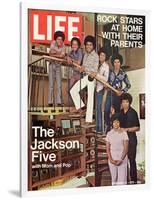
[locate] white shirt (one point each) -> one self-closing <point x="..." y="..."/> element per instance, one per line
<point x="116" y="140"/>
<point x="103" y="71"/>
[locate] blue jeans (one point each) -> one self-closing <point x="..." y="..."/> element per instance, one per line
<point x="114" y="100"/>
<point x="99" y="119"/>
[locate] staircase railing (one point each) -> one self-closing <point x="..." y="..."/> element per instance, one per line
<point x="37" y="75"/>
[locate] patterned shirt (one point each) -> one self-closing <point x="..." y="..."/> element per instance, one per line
<point x="116" y="80"/>
<point x="91" y="61"/>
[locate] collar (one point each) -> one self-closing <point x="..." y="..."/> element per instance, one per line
<point x="104" y="64"/>
<point x="115" y="131"/>
<point x="55" y="44"/>
<point x="75" y="51"/>
<point x="129" y="109"/>
<point x="120" y="72"/>
<point x="91" y="53"/>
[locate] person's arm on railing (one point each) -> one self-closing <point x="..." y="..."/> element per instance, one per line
<point x="55" y="53"/>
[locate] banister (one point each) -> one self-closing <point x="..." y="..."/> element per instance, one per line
<point x="97" y="77"/>
<point x="35" y="61"/>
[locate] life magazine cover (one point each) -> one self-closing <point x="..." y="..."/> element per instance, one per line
<point x="85" y="99"/>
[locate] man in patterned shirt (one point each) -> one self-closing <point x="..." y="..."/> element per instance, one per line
<point x="116" y="79"/>
<point x="90" y="64"/>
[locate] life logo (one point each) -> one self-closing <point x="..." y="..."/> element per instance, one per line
<point x="43" y="24"/>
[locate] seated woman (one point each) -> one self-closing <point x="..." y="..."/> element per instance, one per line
<point x="117" y="148"/>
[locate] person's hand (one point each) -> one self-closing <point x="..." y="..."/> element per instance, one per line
<point x="52" y="52"/>
<point x="93" y="74"/>
<point x="114" y="162"/>
<point x="82" y="70"/>
<point x="118" y="162"/>
<point x="119" y="93"/>
<point x="69" y="61"/>
<point x="58" y="52"/>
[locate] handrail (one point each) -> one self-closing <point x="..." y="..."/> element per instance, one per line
<point x="97" y="77"/>
<point x="35" y="61"/>
<point x="48" y="58"/>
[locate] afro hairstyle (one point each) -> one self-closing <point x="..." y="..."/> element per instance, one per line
<point x="105" y="51"/>
<point x="77" y="40"/>
<point x="59" y="34"/>
<point x="90" y="38"/>
<point x="117" y="57"/>
<point x="126" y="96"/>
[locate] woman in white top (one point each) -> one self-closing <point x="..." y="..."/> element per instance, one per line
<point x="103" y="71"/>
<point x="117" y="148"/>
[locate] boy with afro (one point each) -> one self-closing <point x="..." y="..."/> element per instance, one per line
<point x="90" y="65"/>
<point x="57" y="49"/>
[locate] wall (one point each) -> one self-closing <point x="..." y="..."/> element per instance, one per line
<point x="137" y="78"/>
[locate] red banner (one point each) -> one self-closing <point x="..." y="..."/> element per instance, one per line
<point x="43" y="24"/>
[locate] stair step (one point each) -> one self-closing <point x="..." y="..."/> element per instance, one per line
<point x="102" y="162"/>
<point x="88" y="126"/>
<point x="101" y="147"/>
<point x="102" y="140"/>
<point x="103" y="135"/>
<point x="102" y="158"/>
<point x="91" y="180"/>
<point x="102" y="155"/>
<point x="83" y="186"/>
<point x="103" y="169"/>
<point x="106" y="183"/>
<point x="40" y="110"/>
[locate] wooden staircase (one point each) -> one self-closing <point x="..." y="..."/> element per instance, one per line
<point x="101" y="161"/>
<point x="102" y="175"/>
<point x="38" y="90"/>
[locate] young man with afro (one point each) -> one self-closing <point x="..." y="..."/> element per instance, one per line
<point x="103" y="70"/>
<point x="90" y="64"/>
<point x="57" y="49"/>
<point x="117" y="78"/>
